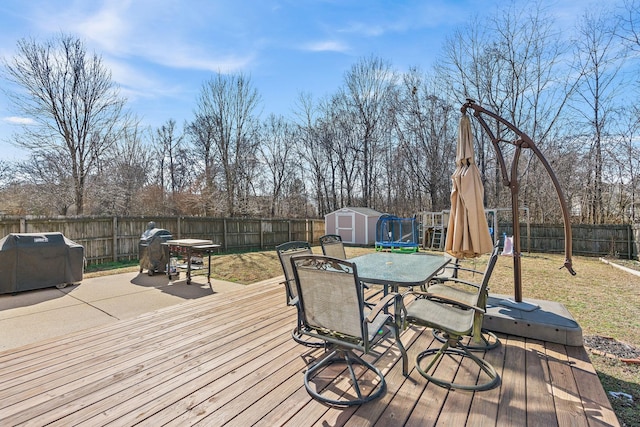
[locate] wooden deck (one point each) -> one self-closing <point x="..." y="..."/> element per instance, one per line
<point x="229" y="359"/>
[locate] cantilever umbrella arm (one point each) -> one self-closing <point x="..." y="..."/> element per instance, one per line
<point x="523" y="141"/>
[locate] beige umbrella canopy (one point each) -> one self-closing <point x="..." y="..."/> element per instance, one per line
<point x="468" y="232"/>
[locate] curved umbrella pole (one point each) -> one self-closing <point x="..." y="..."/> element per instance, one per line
<point x="523" y="141"/>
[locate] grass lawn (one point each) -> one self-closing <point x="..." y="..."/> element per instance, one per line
<point x="604" y="300"/>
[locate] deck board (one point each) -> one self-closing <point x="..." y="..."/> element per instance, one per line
<point x="229" y="359"/>
<point x="568" y="403"/>
<point x="539" y="401"/>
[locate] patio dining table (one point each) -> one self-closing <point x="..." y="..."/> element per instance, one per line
<point x="394" y="270"/>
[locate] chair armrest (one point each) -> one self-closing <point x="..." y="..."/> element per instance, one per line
<point x="381" y="305"/>
<point x="461" y="281"/>
<point x="470" y="270"/>
<point x="291" y="300"/>
<point x="440" y="298"/>
<point x="286" y="282"/>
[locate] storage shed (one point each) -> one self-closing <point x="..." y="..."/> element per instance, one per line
<point x="356" y="226"/>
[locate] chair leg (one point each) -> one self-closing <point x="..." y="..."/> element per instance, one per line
<point x="487" y="340"/>
<point x="456" y="349"/>
<point x="349" y="358"/>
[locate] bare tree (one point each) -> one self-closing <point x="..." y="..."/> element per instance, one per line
<point x="296" y="200"/>
<point x="46" y="175"/>
<point x="598" y="59"/>
<point x="202" y="134"/>
<point x="629" y="24"/>
<point x="425" y="128"/>
<point x="122" y="176"/>
<point x="5" y="173"/>
<point x="511" y="63"/>
<point x="227" y="106"/>
<point x="369" y="93"/>
<point x="277" y="154"/>
<point x="342" y="141"/>
<point x="311" y="149"/>
<point x="73" y="105"/>
<point x="175" y="170"/>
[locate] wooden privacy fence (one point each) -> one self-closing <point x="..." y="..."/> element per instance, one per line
<point x="617" y="240"/>
<point x="108" y="239"/>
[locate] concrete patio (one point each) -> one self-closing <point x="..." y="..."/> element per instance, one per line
<point x="32" y="316"/>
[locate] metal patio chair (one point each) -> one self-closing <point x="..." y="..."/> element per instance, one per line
<point x="450" y="271"/>
<point x="285" y="251"/>
<point x="459" y="289"/>
<point x="332" y="246"/>
<point x="455" y="319"/>
<point x="333" y="310"/>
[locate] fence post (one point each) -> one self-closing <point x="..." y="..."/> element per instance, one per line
<point x="311" y="231"/>
<point x="115" y="238"/>
<point x="629" y="248"/>
<point x="261" y="235"/>
<point x="23" y="225"/>
<point x="224" y="234"/>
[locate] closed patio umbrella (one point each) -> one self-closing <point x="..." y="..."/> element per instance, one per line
<point x="468" y="232"/>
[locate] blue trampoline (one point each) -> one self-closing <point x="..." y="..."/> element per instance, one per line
<point x="396" y="234"/>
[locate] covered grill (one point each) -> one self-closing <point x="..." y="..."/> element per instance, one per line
<point x="39" y="260"/>
<point x="154" y="256"/>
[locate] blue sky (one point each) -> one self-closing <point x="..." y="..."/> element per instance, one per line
<point x="160" y="52"/>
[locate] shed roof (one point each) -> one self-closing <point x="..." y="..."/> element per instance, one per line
<point x="362" y="211"/>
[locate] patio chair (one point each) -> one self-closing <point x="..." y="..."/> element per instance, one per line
<point x="447" y="272"/>
<point x="332" y="246"/>
<point x="455" y="319"/>
<point x="466" y="291"/>
<point x="285" y="251"/>
<point x="333" y="310"/>
<point x="450" y="271"/>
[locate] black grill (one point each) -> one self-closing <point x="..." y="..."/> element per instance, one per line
<point x="39" y="260"/>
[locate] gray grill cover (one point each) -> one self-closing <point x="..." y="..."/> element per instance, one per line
<point x="39" y="260"/>
<point x="153" y="255"/>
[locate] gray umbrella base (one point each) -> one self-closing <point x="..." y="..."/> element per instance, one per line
<point x="550" y="321"/>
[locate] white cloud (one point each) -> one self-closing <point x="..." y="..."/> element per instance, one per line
<point x="360" y="28"/>
<point x="153" y="32"/>
<point x="326" y="46"/>
<point x="190" y="59"/>
<point x="107" y="27"/>
<point x="18" y="120"/>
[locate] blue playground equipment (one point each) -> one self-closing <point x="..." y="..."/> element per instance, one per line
<point x="396" y="234"/>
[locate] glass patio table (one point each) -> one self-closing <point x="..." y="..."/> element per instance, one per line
<point x="393" y="270"/>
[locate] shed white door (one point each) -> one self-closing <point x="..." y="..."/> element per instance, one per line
<point x="346" y="227"/>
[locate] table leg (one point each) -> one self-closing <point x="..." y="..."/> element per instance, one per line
<point x="188" y="265"/>
<point x="169" y="252"/>
<point x="209" y="270"/>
